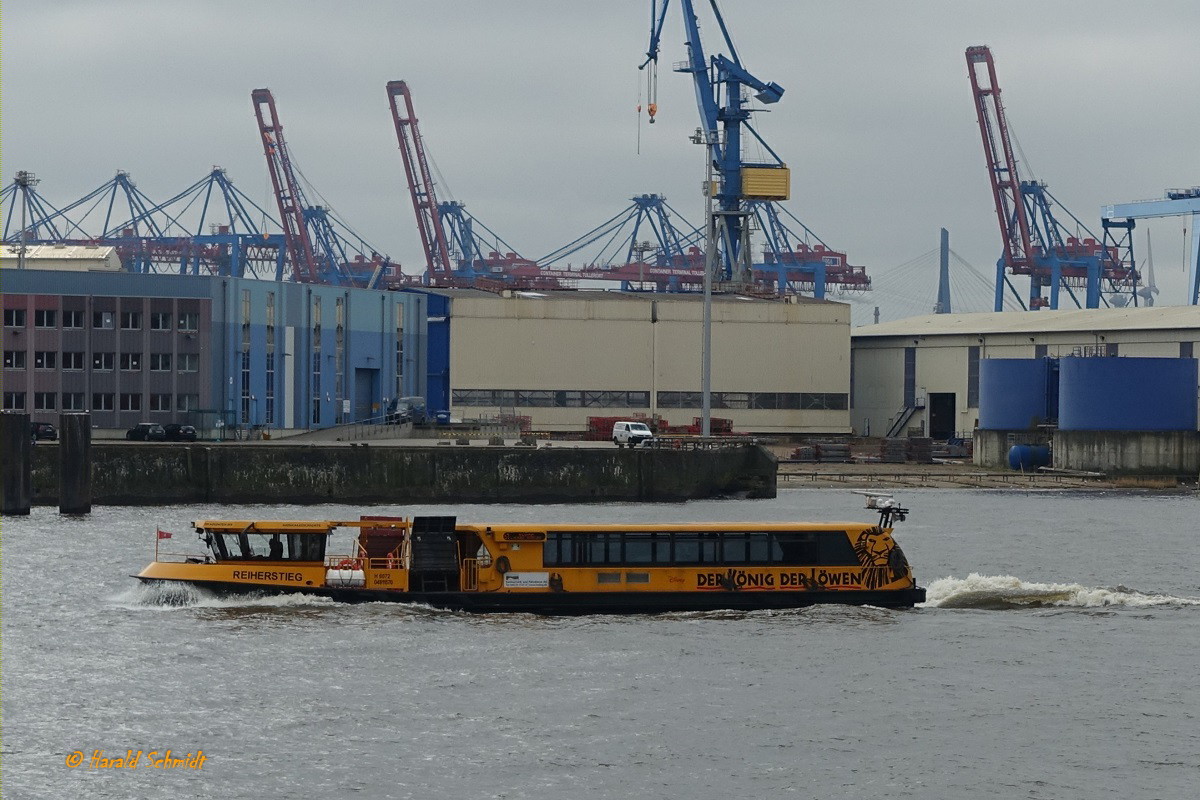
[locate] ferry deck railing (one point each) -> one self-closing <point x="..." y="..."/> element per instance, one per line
<point x="470" y="574"/>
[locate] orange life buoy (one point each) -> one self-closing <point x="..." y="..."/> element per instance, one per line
<point x="348" y="563"/>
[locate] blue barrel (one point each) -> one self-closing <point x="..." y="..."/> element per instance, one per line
<point x="1013" y="393"/>
<point x="1127" y="394"/>
<point x="1028" y="457"/>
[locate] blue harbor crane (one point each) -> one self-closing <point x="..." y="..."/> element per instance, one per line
<point x="668" y="254"/>
<point x="719" y="82"/>
<point x="154" y="237"/>
<point x="1177" y="203"/>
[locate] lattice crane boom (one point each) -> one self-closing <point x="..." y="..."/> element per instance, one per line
<point x="287" y="189"/>
<point x="420" y="182"/>
<point x="1036" y="242"/>
<point x="1001" y="162"/>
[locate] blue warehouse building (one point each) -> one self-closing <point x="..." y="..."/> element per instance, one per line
<point x="217" y="352"/>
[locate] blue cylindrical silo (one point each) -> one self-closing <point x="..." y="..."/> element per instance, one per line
<point x="1012" y="393"/>
<point x="1127" y="394"/>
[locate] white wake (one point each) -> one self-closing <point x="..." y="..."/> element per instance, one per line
<point x="170" y="595"/>
<point x="1006" y="591"/>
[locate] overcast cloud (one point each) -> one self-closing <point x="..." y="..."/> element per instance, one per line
<point x="528" y="109"/>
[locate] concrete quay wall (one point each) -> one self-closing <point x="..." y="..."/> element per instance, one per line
<point x="153" y="474"/>
<point x="1128" y="452"/>
<point x="1110" y="452"/>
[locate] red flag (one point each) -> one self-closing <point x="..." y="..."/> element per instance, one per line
<point x="163" y="534"/>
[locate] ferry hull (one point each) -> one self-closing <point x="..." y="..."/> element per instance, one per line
<point x="585" y="603"/>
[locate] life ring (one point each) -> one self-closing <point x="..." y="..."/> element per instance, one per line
<point x="502" y="565"/>
<point x="349" y="563"/>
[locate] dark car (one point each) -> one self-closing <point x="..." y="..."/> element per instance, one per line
<point x="43" y="431"/>
<point x="146" y="432"/>
<point x="179" y="433"/>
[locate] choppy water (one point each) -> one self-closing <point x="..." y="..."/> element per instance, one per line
<point x="1055" y="659"/>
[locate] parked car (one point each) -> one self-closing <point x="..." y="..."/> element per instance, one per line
<point x="179" y="433"/>
<point x="407" y="409"/>
<point x="43" y="431"/>
<point x="631" y="433"/>
<point x="146" y="432"/>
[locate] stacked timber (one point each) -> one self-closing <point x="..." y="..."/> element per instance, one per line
<point x="833" y="452"/>
<point x="893" y="451"/>
<point x="806" y="453"/>
<point x="920" y="449"/>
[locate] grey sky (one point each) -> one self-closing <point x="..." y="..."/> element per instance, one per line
<point x="528" y="109"/>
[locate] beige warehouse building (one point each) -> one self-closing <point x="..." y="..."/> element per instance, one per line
<point x="561" y="357"/>
<point x="921" y="375"/>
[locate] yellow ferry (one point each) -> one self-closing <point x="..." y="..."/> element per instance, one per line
<point x="556" y="569"/>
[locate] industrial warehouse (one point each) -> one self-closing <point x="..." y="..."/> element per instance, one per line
<point x="1128" y="376"/>
<point x="232" y="355"/>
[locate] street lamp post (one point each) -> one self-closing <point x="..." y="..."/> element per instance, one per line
<point x="710" y="257"/>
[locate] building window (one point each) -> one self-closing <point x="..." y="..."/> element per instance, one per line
<point x="1111" y="349"/>
<point x="45" y="318"/>
<point x="160" y="321"/>
<point x="852" y="366"/>
<point x="131" y="362"/>
<point x="72" y="401"/>
<point x="103" y="319"/>
<point x="160" y="362"/>
<point x="1041" y="350"/>
<point x="316" y="361"/>
<point x="910" y="377"/>
<point x="14" y="401"/>
<point x="14" y="359"/>
<point x="269" y="412"/>
<point x="399" y="349"/>
<point x="131" y="401"/>
<point x="187" y="402"/>
<point x="189" y="322"/>
<point x="103" y="362"/>
<point x="339" y="352"/>
<point x="72" y="319"/>
<point x="72" y="361"/>
<point x="45" y="359"/>
<point x="131" y="320"/>
<point x="102" y="401"/>
<point x="45" y="401"/>
<point x="160" y="402"/>
<point x="246" y="387"/>
<point x="973" y="377"/>
<point x="189" y="362"/>
<point x="1185" y="349"/>
<point x="316" y="387"/>
<point x="14" y="318"/>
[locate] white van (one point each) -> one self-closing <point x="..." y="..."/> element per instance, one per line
<point x="631" y="433"/>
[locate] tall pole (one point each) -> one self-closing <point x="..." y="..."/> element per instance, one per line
<point x="710" y="252"/>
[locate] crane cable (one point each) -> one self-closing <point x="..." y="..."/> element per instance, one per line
<point x="652" y="90"/>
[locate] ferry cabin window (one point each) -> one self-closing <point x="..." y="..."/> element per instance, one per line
<point x="783" y="548"/>
<point x="255" y="546"/>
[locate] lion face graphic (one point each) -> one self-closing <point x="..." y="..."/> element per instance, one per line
<point x="873" y="547"/>
<point x="882" y="561"/>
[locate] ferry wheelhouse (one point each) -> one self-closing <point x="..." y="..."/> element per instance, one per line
<point x="556" y="569"/>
